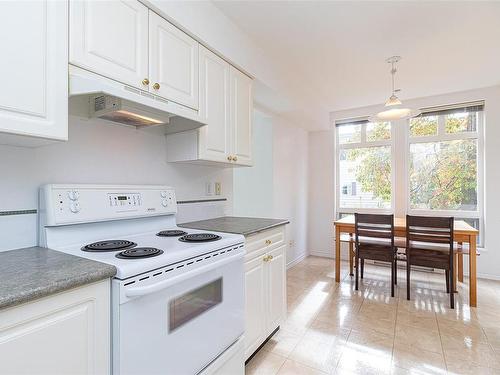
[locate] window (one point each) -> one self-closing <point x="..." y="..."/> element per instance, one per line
<point x="364" y="166"/>
<point x="444" y="164"/>
<point x="428" y="165"/>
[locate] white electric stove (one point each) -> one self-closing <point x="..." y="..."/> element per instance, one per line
<point x="178" y="295"/>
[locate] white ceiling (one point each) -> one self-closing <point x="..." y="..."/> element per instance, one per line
<point x="333" y="52"/>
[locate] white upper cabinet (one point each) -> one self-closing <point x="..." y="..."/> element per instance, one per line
<point x="173" y="62"/>
<point x="111" y="38"/>
<point x="34" y="70"/>
<point x="241" y="116"/>
<point x="215" y="138"/>
<point x="226" y="104"/>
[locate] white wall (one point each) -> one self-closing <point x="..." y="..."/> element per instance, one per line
<point x="489" y="261"/>
<point x="290" y="164"/>
<point x="321" y="199"/>
<point x="253" y="187"/>
<point x="97" y="152"/>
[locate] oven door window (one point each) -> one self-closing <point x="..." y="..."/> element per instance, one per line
<point x="194" y="303"/>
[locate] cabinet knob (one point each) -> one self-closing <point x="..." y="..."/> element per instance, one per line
<point x="269" y="242"/>
<point x="229" y="158"/>
<point x="270" y="257"/>
<point x="266" y="258"/>
<point x="156" y="86"/>
<point x="145" y="81"/>
<point x="235" y="158"/>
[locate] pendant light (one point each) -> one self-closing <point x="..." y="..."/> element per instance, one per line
<point x="394" y="109"/>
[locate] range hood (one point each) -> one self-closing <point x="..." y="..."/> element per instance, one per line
<point x="113" y="101"/>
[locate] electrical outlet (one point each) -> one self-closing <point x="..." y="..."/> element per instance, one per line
<point x="218" y="188"/>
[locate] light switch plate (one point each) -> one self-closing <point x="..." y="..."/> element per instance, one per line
<point x="209" y="190"/>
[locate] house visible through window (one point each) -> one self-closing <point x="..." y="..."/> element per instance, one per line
<point x="365" y="166"/>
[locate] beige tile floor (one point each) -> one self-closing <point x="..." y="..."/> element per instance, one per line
<point x="333" y="329"/>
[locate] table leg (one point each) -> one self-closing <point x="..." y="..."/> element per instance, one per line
<point x="472" y="271"/>
<point x="351" y="258"/>
<point x="455" y="271"/>
<point x="337" y="254"/>
<point x="461" y="265"/>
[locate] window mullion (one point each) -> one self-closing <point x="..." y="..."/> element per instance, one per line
<point x="441" y="126"/>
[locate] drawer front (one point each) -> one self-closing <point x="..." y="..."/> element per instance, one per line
<point x="259" y="243"/>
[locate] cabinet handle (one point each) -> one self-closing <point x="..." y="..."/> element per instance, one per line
<point x="270" y="257"/>
<point x="266" y="258"/>
<point x="145" y="81"/>
<point x="268" y="242"/>
<point x="229" y="158"/>
<point x="235" y="158"/>
<point x="156" y="86"/>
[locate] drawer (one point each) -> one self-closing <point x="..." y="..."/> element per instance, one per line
<point x="260" y="243"/>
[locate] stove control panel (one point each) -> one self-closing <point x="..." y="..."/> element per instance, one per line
<point x="131" y="200"/>
<point x="67" y="204"/>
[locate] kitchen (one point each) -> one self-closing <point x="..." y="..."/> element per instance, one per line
<point x="210" y="139"/>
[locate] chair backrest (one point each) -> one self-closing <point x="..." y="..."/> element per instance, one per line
<point x="430" y="230"/>
<point x="369" y="227"/>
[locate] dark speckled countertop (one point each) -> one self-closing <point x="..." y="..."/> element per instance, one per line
<point x="36" y="272"/>
<point x="235" y="224"/>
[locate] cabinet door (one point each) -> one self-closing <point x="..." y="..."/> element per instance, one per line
<point x="34" y="68"/>
<point x="110" y="38"/>
<point x="214" y="139"/>
<point x="173" y="62"/>
<point x="255" y="319"/>
<point x="276" y="287"/>
<point x="241" y="116"/>
<point x="68" y="333"/>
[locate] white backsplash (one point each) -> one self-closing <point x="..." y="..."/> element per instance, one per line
<point x="100" y="152"/>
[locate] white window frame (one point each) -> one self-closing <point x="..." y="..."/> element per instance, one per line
<point x="362" y="144"/>
<point x="442" y="136"/>
<point x="400" y="143"/>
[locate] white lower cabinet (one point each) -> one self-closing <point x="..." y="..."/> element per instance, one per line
<point x="67" y="333"/>
<point x="265" y="286"/>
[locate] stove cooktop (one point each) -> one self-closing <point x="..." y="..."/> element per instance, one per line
<point x="132" y="259"/>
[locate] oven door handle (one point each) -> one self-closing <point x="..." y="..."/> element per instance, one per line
<point x="148" y="289"/>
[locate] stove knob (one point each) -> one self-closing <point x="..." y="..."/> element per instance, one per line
<point x="73" y="195"/>
<point x="75" y="207"/>
<point x="163" y="194"/>
<point x="164" y="203"/>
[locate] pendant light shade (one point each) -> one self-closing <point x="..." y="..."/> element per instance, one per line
<point x="394" y="109"/>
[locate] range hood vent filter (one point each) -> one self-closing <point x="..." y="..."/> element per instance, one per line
<point x="122" y="111"/>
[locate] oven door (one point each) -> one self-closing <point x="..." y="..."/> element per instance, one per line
<point x="180" y="324"/>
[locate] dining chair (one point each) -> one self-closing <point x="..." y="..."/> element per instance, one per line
<point x="374" y="240"/>
<point x="429" y="243"/>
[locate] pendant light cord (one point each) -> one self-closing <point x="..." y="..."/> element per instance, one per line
<point x="393" y="73"/>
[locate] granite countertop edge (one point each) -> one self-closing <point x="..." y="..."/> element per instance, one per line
<point x="46" y="274"/>
<point x="227" y="224"/>
<point x="271" y="226"/>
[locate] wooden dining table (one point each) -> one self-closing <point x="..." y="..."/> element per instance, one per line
<point x="462" y="233"/>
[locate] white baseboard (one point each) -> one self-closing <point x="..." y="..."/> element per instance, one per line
<point x="299" y="259"/>
<point x="324" y="254"/>
<point x="486" y="276"/>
